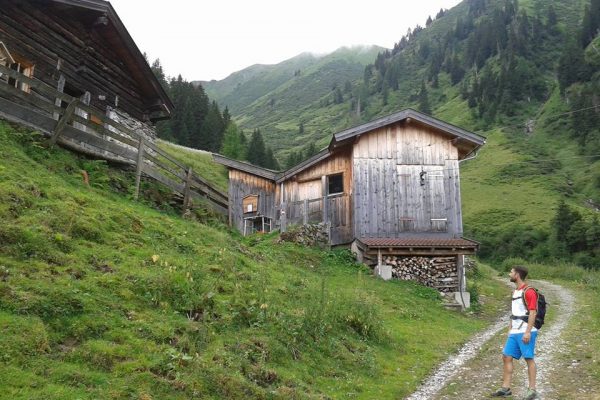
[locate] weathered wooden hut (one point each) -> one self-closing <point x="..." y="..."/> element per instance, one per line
<point x="82" y="49"/>
<point x="390" y="187"/>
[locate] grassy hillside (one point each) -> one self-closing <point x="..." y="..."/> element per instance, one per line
<point x="105" y="298"/>
<point x="200" y="161"/>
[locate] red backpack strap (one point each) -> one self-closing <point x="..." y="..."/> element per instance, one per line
<point x="525" y="289"/>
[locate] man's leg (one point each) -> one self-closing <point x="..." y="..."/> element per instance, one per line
<point x="531" y="372"/>
<point x="508" y="370"/>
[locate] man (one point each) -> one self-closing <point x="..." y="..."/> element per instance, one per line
<point x="522" y="334"/>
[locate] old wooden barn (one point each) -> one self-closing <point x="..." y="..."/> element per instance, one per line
<point x="81" y="49"/>
<point x="70" y="69"/>
<point x="390" y="188"/>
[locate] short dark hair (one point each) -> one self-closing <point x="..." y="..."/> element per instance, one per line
<point x="521" y="270"/>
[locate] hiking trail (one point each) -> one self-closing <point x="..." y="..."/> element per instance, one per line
<point x="476" y="369"/>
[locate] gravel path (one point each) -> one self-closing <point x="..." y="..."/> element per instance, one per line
<point x="477" y="368"/>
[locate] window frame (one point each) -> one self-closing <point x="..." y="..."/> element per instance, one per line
<point x="341" y="182"/>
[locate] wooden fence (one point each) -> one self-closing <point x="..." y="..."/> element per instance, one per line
<point x="88" y="130"/>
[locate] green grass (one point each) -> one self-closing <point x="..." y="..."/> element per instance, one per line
<point x="105" y="298"/>
<point x="201" y="163"/>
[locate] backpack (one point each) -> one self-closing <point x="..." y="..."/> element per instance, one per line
<point x="541" y="307"/>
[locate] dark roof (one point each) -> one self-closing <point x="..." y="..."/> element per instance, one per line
<point x="420" y="242"/>
<point x="135" y="59"/>
<point x="246" y="167"/>
<point x="402" y="115"/>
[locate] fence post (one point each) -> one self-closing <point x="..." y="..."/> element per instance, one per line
<point x="62" y="122"/>
<point x="324" y="194"/>
<point x="60" y="87"/>
<point x="186" y="191"/>
<point x="305" y="211"/>
<point x="139" y="167"/>
<point x="283" y="217"/>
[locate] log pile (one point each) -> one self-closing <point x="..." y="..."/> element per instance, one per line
<point x="437" y="272"/>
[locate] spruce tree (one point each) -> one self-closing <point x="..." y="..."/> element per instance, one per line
<point x="424" y="106"/>
<point x="232" y="146"/>
<point x="257" y="153"/>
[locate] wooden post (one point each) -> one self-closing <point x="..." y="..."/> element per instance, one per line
<point x="283" y="217"/>
<point x="60" y="87"/>
<point x="187" y="190"/>
<point x="305" y="212"/>
<point x="325" y="202"/>
<point x="62" y="122"/>
<point x="140" y="166"/>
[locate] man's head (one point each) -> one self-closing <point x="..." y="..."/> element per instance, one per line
<point x="518" y="272"/>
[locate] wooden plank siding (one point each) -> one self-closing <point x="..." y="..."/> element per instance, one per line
<point x="242" y="184"/>
<point x="65" y="41"/>
<point x="311" y="185"/>
<point x="390" y="199"/>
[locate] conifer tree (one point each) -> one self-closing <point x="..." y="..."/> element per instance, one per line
<point x="424" y="106"/>
<point x="232" y="145"/>
<point x="257" y="153"/>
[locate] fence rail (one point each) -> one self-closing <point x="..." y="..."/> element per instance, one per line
<point x="89" y="130"/>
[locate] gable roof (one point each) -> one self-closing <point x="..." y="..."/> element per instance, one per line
<point x="132" y="56"/>
<point x="246" y="167"/>
<point x="472" y="140"/>
<point x="425" y="119"/>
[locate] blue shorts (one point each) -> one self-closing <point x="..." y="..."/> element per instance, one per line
<point x="515" y="347"/>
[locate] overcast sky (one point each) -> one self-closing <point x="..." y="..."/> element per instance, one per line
<point x="206" y="40"/>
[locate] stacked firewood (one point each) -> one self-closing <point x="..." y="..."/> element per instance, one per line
<point x="436" y="272"/>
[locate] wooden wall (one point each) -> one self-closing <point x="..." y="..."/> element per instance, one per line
<point x="242" y="184"/>
<point x="311" y="184"/>
<point x="308" y="183"/>
<point x="50" y="36"/>
<point x="390" y="199"/>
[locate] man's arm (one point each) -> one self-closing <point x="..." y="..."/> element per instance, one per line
<point x="530" y="322"/>
<point x="531" y="300"/>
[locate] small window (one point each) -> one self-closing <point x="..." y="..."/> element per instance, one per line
<point x="335" y="184"/>
<point x="250" y="204"/>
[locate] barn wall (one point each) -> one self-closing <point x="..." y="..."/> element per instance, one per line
<point x="390" y="199"/>
<point x="242" y="184"/>
<point x="311" y="184"/>
<point x="51" y="36"/>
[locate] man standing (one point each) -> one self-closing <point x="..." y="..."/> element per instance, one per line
<point x="522" y="334"/>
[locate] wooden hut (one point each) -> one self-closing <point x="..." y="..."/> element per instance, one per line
<point x="390" y="188"/>
<point x="82" y="49"/>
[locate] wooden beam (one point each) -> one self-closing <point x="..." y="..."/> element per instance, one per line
<point x="186" y="191"/>
<point x="62" y="122"/>
<point x="139" y="168"/>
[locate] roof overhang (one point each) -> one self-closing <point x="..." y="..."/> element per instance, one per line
<point x="466" y="141"/>
<point x="420" y="245"/>
<point x="159" y="105"/>
<point x="246" y="167"/>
